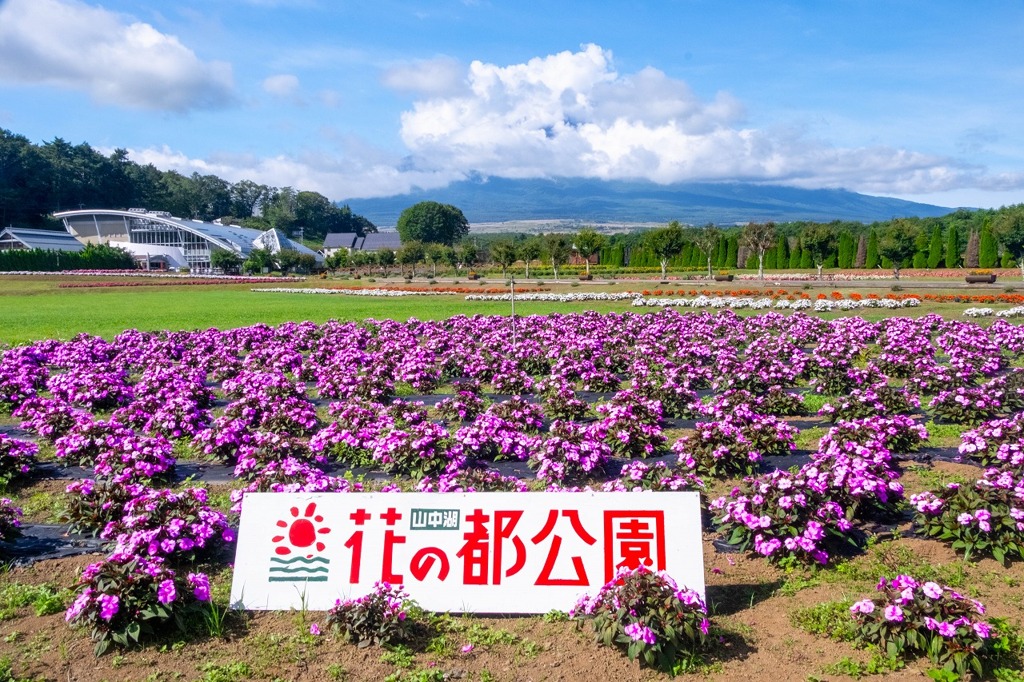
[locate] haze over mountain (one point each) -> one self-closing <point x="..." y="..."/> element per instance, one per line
<point x="488" y="200"/>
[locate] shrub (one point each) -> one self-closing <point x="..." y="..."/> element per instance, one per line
<point x="127" y="599"/>
<point x="913" y="619"/>
<point x="378" y="618"/>
<point x="965" y="405"/>
<point x="986" y="519"/>
<point x="10" y="520"/>
<point x="648" y="616"/>
<point x="17" y="457"/>
<point x="90" y="505"/>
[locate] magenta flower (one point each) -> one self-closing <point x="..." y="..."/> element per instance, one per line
<point x="166" y="592"/>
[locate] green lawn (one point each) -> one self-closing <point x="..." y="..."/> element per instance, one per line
<point x="34" y="308"/>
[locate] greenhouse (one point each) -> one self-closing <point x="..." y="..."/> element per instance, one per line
<point x="142" y="232"/>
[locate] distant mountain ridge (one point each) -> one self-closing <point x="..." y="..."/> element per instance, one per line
<point x="597" y="201"/>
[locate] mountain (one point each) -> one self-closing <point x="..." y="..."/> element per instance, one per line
<point x="493" y="200"/>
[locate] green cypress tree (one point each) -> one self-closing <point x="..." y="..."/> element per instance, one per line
<point x="920" y="260"/>
<point x="794" y="256"/>
<point x="935" y="248"/>
<point x="806" y="259"/>
<point x="952" y="257"/>
<point x="871" y="261"/>
<point x="732" y="252"/>
<point x="782" y="253"/>
<point x="686" y="254"/>
<point x="722" y="253"/>
<point x="988" y="253"/>
<point x="846" y="250"/>
<point x="770" y="257"/>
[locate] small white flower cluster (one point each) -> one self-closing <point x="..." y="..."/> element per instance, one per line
<point x="388" y="293"/>
<point x="1017" y="311"/>
<point x="557" y="298"/>
<point x="825" y="305"/>
<point x="812" y="277"/>
<point x="705" y="302"/>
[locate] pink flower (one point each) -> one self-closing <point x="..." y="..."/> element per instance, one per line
<point x="314" y="629"/>
<point x="166" y="592"/>
<point x="467" y="648"/>
<point x="894" y="613"/>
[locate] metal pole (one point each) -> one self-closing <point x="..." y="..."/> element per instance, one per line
<point x="512" y="291"/>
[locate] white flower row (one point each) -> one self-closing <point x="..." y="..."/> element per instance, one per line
<point x="387" y="293"/>
<point x="812" y="277"/>
<point x="820" y="305"/>
<point x="1017" y="311"/>
<point x="559" y="298"/>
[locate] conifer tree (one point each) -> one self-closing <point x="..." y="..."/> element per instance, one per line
<point x="732" y="252"/>
<point x="871" y="258"/>
<point x="952" y="247"/>
<point x="988" y="251"/>
<point x="782" y="253"/>
<point x="973" y="251"/>
<point x="862" y="252"/>
<point x="935" y="248"/>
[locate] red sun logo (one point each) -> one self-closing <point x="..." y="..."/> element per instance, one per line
<point x="302" y="532"/>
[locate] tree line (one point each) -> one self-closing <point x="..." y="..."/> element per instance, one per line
<point x="38" y="180"/>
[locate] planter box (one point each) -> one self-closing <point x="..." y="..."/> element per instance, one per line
<point x="586" y="278"/>
<point x="724" y="278"/>
<point x="474" y="277"/>
<point x="980" y="279"/>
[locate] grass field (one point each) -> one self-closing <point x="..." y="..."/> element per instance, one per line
<point x="34" y="308"/>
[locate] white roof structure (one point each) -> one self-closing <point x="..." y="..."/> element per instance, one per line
<point x="47" y="240"/>
<point x="197" y="239"/>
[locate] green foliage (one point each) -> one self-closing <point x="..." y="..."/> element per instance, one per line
<point x="876" y="665"/>
<point x="830" y="619"/>
<point x="935" y="248"/>
<point x="227" y="672"/>
<point x="44" y="599"/>
<point x="898" y="243"/>
<point x="431" y="222"/>
<point x="871" y="261"/>
<point x="378" y="618"/>
<point x="649" y="617"/>
<point x="92" y="257"/>
<point x="988" y="253"/>
<point x="952" y="255"/>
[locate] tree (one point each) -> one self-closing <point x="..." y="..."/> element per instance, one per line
<point x="258" y="260"/>
<point x="556" y="248"/>
<point x="587" y="242"/>
<point x="952" y="258"/>
<point x="862" y="252"/>
<point x="431" y="222"/>
<point x="759" y="237"/>
<point x="247" y="197"/>
<point x="1009" y="226"/>
<point x="846" y="251"/>
<point x="705" y="240"/>
<point x="225" y="260"/>
<point x="385" y="259"/>
<point x="988" y="251"/>
<point x="529" y="251"/>
<point x="665" y="243"/>
<point x="435" y="254"/>
<point x="337" y="260"/>
<point x="972" y="251"/>
<point x="818" y="241"/>
<point x="410" y="254"/>
<point x="935" y="248"/>
<point x="898" y="243"/>
<point x="504" y="253"/>
<point x="871" y="259"/>
<point x="465" y="254"/>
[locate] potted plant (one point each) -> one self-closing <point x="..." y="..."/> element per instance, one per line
<point x="724" y="276"/>
<point x="472" y="275"/>
<point x="981" y="277"/>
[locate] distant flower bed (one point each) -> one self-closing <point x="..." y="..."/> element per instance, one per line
<point x="395" y="291"/>
<point x="178" y="282"/>
<point x="561" y="298"/>
<point x="147" y="274"/>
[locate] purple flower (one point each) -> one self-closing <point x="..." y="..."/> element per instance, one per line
<point x="109" y="605"/>
<point x="314" y="629"/>
<point x="894" y="613"/>
<point x="166" y="592"/>
<point x="932" y="590"/>
<point x="863" y="606"/>
<point x="640" y="633"/>
<point x="200" y="586"/>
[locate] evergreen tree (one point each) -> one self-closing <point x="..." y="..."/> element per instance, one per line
<point x="973" y="251"/>
<point x="935" y="248"/>
<point x="871" y="258"/>
<point x="846" y="251"/>
<point x="770" y="258"/>
<point x="952" y="257"/>
<point x="806" y="259"/>
<point x="782" y="253"/>
<point x="732" y="252"/>
<point x="862" y="252"/>
<point x="723" y="253"/>
<point x="795" y="256"/>
<point x="988" y="251"/>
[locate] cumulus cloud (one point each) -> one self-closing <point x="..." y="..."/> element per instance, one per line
<point x="281" y="85"/>
<point x="573" y="114"/>
<point x="440" y="76"/>
<point x="115" y="59"/>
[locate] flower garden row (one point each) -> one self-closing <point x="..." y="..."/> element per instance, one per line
<point x="280" y="403"/>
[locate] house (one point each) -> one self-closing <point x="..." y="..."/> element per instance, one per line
<point x="378" y="241"/>
<point x="336" y="241"/>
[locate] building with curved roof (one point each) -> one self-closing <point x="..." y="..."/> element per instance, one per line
<point x="137" y="228"/>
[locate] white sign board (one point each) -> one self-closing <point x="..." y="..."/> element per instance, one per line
<point x="473" y="552"/>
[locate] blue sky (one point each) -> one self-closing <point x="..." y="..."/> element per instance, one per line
<point x="920" y="100"/>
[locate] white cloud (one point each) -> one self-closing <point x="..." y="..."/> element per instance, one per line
<point x="281" y="85"/>
<point x="432" y="77"/>
<point x="572" y="114"/>
<point x="365" y="174"/>
<point x="69" y="44"/>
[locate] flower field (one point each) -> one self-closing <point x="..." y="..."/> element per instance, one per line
<point x="863" y="486"/>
